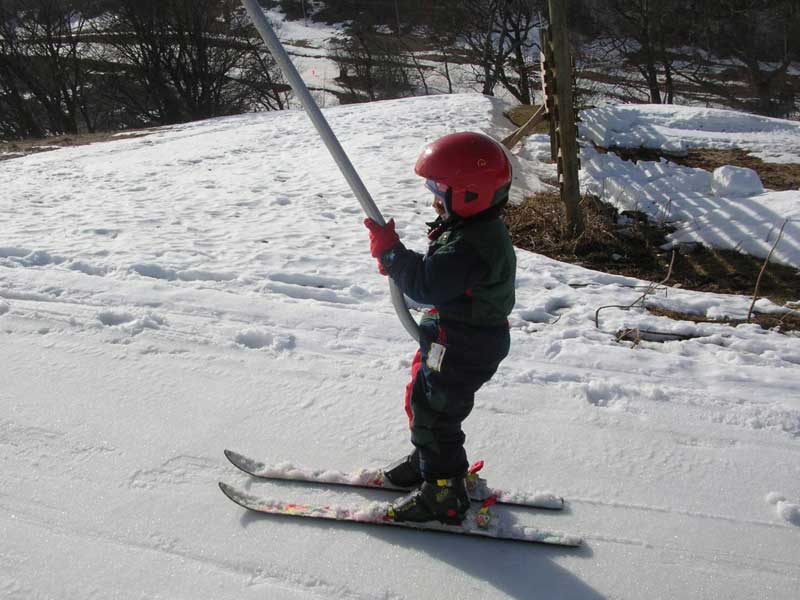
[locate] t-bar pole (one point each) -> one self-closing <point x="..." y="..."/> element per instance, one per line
<point x="330" y="140"/>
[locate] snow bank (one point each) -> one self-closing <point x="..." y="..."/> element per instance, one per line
<point x="675" y="129"/>
<point x="728" y="209"/>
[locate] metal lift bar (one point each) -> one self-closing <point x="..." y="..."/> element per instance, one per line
<point x="332" y="143"/>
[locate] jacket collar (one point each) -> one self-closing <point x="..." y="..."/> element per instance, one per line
<point x="440" y="225"/>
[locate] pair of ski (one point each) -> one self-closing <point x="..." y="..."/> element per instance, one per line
<point x="480" y="521"/>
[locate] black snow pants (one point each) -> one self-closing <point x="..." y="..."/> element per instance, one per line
<point x="438" y="401"/>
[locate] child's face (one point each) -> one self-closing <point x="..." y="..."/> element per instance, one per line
<point x="438" y="206"/>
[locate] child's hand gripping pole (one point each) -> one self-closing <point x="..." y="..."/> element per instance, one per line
<point x="381" y="239"/>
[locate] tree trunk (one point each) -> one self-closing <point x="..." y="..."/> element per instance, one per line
<point x="524" y="80"/>
<point x="489" y="77"/>
<point x="670" y="83"/>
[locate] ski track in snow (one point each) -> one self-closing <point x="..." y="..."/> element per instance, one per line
<point x="255" y="576"/>
<point x="208" y="285"/>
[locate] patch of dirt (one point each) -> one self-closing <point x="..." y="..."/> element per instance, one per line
<point x="630" y="245"/>
<point x="10" y="149"/>
<point x="787" y="322"/>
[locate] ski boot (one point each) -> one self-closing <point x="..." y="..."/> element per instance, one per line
<point x="443" y="500"/>
<point x="405" y="472"/>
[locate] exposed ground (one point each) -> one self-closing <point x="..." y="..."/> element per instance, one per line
<point x="520" y="114"/>
<point x="634" y="250"/>
<point x="17" y="148"/>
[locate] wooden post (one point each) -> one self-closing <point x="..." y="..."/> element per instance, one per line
<point x="566" y="129"/>
<point x="548" y="89"/>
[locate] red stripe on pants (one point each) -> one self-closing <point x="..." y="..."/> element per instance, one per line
<point x="415" y="365"/>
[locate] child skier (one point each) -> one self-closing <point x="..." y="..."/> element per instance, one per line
<point x="468" y="275"/>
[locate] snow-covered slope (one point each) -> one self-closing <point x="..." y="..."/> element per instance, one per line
<point x="209" y="286"/>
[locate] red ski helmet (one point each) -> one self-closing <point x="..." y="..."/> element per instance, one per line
<point x="472" y="165"/>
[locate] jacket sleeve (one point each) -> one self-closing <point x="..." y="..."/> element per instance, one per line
<point x="436" y="278"/>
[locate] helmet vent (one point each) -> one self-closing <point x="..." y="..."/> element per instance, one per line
<point x="470" y="196"/>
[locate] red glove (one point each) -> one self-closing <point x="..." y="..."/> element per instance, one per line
<point x="381" y="239"/>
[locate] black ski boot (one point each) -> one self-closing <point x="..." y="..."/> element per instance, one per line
<point x="443" y="500"/>
<point x="405" y="472"/>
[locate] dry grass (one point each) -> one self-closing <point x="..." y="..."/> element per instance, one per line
<point x="10" y="149"/>
<point x="788" y="322"/>
<point x="538" y="225"/>
<point x="520" y="114"/>
<point x="634" y="250"/>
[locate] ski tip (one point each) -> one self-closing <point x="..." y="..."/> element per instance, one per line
<point x="236" y="459"/>
<point x="230" y="491"/>
<point x="233" y="494"/>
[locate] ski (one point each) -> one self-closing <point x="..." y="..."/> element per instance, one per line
<point x="479" y="522"/>
<point x="374" y="478"/>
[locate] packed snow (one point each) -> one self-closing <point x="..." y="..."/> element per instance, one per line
<point x="209" y="285"/>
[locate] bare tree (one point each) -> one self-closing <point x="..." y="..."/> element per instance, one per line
<point x="522" y="22"/>
<point x="44" y="79"/>
<point x="643" y="34"/>
<point x="374" y="65"/>
<point x="499" y="40"/>
<point x="184" y="60"/>
<point x="754" y="42"/>
<point x="443" y="37"/>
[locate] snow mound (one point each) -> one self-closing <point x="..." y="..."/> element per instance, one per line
<point x="28" y="258"/>
<point x="788" y="511"/>
<point x="736" y="182"/>
<point x="130" y="322"/>
<point x="154" y="271"/>
<point x="113" y="318"/>
<point x="256" y="339"/>
<point x="4" y="307"/>
<point x="86" y="268"/>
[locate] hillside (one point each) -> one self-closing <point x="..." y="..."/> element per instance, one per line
<point x="208" y="286"/>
